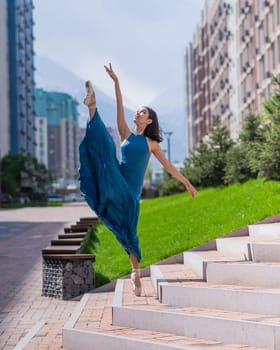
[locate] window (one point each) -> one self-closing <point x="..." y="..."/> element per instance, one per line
<point x="272" y="19"/>
<point x="278" y="48"/>
<point x="262" y="68"/>
<point x="278" y="12"/>
<point x="273" y="55"/>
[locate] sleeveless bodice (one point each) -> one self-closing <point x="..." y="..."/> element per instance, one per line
<point x="135" y="157"/>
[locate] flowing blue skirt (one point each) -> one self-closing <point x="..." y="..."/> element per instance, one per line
<point x="104" y="187"/>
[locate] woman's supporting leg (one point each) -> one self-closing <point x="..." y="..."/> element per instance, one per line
<point x="90" y="100"/>
<point x="135" y="275"/>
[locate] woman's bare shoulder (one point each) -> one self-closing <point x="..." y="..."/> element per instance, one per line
<point x="153" y="145"/>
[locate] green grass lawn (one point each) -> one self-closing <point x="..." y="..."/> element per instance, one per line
<point x="169" y="225"/>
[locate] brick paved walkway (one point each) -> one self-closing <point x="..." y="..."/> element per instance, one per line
<point x="23" y="233"/>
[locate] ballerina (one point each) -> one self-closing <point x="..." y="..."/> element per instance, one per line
<point x="113" y="189"/>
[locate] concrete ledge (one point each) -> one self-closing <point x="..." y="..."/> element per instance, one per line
<point x="229" y="330"/>
<point x="118" y="295"/>
<point x="158" y="279"/>
<point x="197" y="260"/>
<point x="74" y="339"/>
<point x="76" y="314"/>
<point x="271" y="230"/>
<point x="26" y="339"/>
<point x="241" y="249"/>
<point x="266" y="252"/>
<point x="244" y="274"/>
<point x="248" y="300"/>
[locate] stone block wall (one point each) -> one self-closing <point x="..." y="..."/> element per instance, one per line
<point x="67" y="278"/>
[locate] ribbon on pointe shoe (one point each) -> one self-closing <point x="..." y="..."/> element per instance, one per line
<point x="136" y="282"/>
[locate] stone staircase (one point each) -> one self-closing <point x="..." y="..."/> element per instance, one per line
<point x="227" y="298"/>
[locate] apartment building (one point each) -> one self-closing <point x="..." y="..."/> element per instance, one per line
<point x="4" y="77"/>
<point x="58" y="133"/>
<point x="259" y="52"/>
<point x="242" y="38"/>
<point x="222" y="62"/>
<point x="17" y="131"/>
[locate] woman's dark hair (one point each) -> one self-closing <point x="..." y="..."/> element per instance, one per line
<point x="153" y="131"/>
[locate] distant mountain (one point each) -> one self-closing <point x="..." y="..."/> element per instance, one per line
<point x="169" y="106"/>
<point x="171" y="113"/>
<point x="50" y="76"/>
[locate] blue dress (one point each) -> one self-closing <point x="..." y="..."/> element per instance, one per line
<point x="113" y="189"/>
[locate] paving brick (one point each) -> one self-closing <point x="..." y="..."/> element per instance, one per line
<point x="21" y="303"/>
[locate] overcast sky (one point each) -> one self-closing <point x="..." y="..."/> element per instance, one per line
<point x="144" y="40"/>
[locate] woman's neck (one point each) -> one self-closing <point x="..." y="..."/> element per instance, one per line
<point x="139" y="131"/>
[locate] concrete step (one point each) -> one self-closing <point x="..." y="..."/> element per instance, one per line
<point x="197" y="260"/>
<point x="62" y="249"/>
<point x="89" y="219"/>
<point x="82" y="225"/>
<point x="229" y="298"/>
<point x="258" y="249"/>
<point x="170" y="274"/>
<point x="70" y="241"/>
<point x="204" y="323"/>
<point x="228" y="327"/>
<point x="90" y="326"/>
<point x="184" y="289"/>
<point x="75" y="229"/>
<point x="265" y="230"/>
<point x="265" y="275"/>
<point x="72" y="235"/>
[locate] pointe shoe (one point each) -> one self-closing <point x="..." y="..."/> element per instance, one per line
<point x="136" y="282"/>
<point x="89" y="100"/>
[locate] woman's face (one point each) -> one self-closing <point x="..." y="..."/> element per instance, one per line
<point x="141" y="117"/>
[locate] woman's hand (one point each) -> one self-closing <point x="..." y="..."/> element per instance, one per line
<point x="111" y="73"/>
<point x="170" y="168"/>
<point x="192" y="191"/>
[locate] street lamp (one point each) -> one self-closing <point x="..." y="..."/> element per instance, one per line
<point x="168" y="136"/>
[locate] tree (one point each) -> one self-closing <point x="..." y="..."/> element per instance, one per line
<point x="269" y="165"/>
<point x="23" y="175"/>
<point x="206" y="166"/>
<point x="242" y="160"/>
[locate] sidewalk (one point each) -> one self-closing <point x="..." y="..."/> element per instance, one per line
<point x="23" y="233"/>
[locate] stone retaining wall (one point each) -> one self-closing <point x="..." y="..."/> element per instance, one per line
<point x="67" y="278"/>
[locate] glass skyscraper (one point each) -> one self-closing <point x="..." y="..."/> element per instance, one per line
<point x="17" y="132"/>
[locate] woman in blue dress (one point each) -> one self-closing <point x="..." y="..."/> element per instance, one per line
<point x="113" y="189"/>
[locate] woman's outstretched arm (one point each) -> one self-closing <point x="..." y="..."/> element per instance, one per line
<point x="123" y="128"/>
<point x="158" y="153"/>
